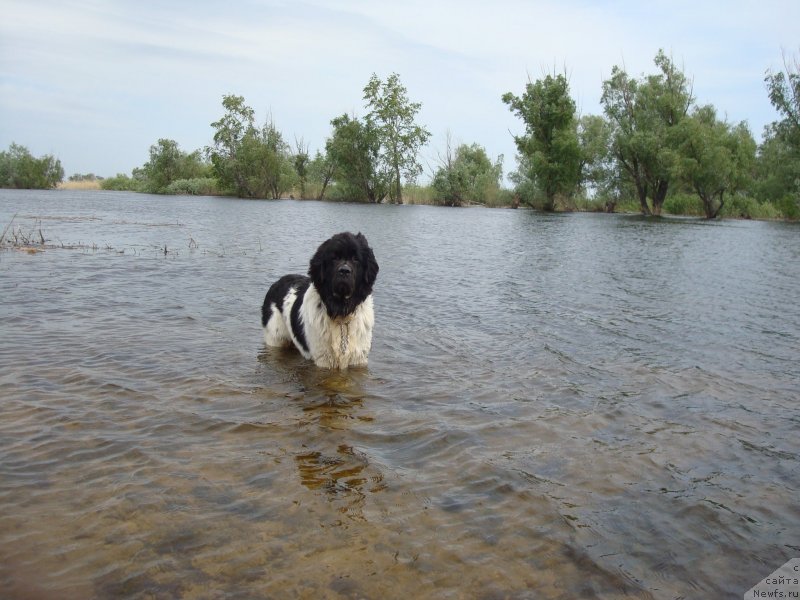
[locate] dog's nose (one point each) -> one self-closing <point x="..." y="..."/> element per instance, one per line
<point x="345" y="270"/>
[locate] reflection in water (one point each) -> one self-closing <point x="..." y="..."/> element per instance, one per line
<point x="341" y="477"/>
<point x="329" y="401"/>
<point x="555" y="407"/>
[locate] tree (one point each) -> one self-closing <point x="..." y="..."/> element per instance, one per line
<point x="784" y="93"/>
<point x="354" y="150"/>
<point x="392" y="117"/>
<point x="237" y="121"/>
<point x="779" y="155"/>
<point x="252" y="162"/>
<point x="271" y="170"/>
<point x="167" y="164"/>
<point x="301" y="162"/>
<point x="712" y="157"/>
<point x="642" y="114"/>
<point x="320" y="173"/>
<point x="20" y="169"/>
<point x="164" y="165"/>
<point x="468" y="176"/>
<point x="778" y="172"/>
<point x="550" y="143"/>
<point x="596" y="165"/>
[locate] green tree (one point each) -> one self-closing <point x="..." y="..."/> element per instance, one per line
<point x="550" y="143"/>
<point x="20" y="169"/>
<point x="467" y="176"/>
<point x="778" y="172"/>
<point x="642" y="114"/>
<point x="252" y="162"/>
<point x="168" y="164"/>
<point x="320" y="172"/>
<point x="301" y="161"/>
<point x="784" y="93"/>
<point x="164" y="165"/>
<point x="354" y="151"/>
<point x="230" y="131"/>
<point x="779" y="155"/>
<point x="597" y="168"/>
<point x="712" y="157"/>
<point x="270" y="171"/>
<point x="392" y="116"/>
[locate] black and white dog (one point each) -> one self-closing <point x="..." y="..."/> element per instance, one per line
<point x="328" y="315"/>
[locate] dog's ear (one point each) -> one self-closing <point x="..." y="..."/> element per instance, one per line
<point x="368" y="261"/>
<point x="316" y="269"/>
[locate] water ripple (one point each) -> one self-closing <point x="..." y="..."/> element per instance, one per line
<point x="556" y="406"/>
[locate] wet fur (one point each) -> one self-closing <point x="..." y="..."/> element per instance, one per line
<point x="328" y="315"/>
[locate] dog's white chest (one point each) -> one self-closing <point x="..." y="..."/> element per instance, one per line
<point x="340" y="341"/>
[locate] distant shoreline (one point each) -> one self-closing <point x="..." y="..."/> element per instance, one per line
<point x="89" y="184"/>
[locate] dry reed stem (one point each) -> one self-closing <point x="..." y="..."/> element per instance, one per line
<point x="79" y="185"/>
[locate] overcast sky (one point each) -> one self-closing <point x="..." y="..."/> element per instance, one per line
<point x="96" y="83"/>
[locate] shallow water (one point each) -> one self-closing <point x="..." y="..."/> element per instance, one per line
<point x="555" y="407"/>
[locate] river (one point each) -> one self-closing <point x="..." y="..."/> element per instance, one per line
<point x="556" y="406"/>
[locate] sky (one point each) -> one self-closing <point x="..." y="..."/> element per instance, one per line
<point x="96" y="83"/>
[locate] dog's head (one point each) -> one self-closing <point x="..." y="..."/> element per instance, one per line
<point x="343" y="271"/>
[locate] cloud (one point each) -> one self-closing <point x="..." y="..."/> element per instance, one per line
<point x="98" y="82"/>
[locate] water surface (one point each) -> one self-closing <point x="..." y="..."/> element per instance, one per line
<point x="556" y="406"/>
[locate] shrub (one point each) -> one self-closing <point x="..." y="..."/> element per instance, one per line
<point x="498" y="197"/>
<point x="741" y="206"/>
<point x="199" y="186"/>
<point x="684" y="204"/>
<point x="121" y="183"/>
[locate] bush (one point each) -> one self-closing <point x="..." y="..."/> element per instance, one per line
<point x="499" y="197"/>
<point x="121" y="183"/>
<point x="684" y="204"/>
<point x="584" y="204"/>
<point x="199" y="186"/>
<point x="790" y="207"/>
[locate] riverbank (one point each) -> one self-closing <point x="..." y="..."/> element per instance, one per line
<point x="677" y="205"/>
<point x="87" y="185"/>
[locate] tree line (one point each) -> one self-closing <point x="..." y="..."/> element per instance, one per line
<point x="654" y="149"/>
<point x="655" y="145"/>
<point x="365" y="159"/>
<point x="19" y="169"/>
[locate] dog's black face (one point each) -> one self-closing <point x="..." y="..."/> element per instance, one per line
<point x="343" y="270"/>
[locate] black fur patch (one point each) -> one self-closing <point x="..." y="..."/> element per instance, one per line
<point x="277" y="293"/>
<point x="297" y="327"/>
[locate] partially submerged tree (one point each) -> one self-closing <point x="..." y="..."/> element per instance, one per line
<point x="392" y="118"/>
<point x="354" y="150"/>
<point x="252" y="162"/>
<point x="168" y="163"/>
<point x="467" y="175"/>
<point x="712" y="157"/>
<point x="549" y="146"/>
<point x="596" y="163"/>
<point x="301" y="163"/>
<point x="20" y="169"/>
<point x="779" y="155"/>
<point x="320" y="171"/>
<point x="643" y="113"/>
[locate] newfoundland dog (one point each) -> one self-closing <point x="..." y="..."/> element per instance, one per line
<point x="328" y="315"/>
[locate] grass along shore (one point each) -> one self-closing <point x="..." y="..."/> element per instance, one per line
<point x="679" y="204"/>
<point x="87" y="184"/>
